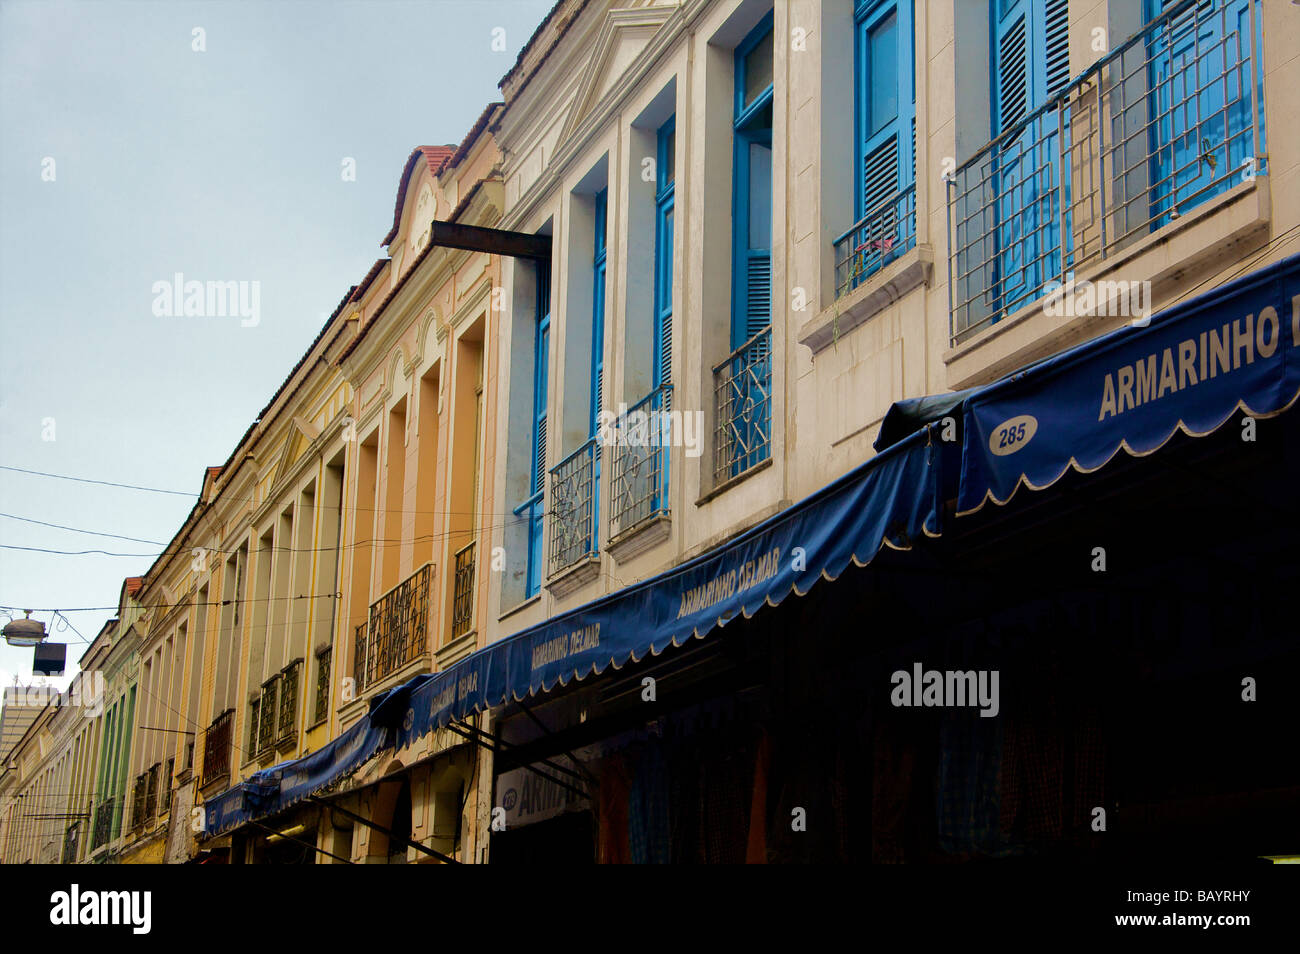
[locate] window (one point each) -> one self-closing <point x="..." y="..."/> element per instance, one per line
<point x="598" y="263"/>
<point x="886" y="102"/>
<point x="321" y="709"/>
<point x="885" y="142"/>
<point x="537" y="476"/>
<point x="663" y="280"/>
<point x="742" y="383"/>
<point x="752" y="187"/>
<point x="1031" y="64"/>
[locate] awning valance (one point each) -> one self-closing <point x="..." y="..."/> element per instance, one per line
<point x="888" y="501"/>
<point x="1190" y="368"/>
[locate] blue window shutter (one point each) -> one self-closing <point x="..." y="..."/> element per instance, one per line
<point x="539" y="430"/>
<point x="1057" y="46"/>
<point x="758" y="293"/>
<point x="751" y="204"/>
<point x="663" y="263"/>
<point x="886" y="103"/>
<point x="598" y="311"/>
<point x="1013" y="93"/>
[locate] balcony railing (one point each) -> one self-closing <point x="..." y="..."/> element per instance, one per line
<point x="165" y="790"/>
<point x="70" y="839"/>
<point x="398" y="631"/>
<point x="742" y="387"/>
<point x="216" y="747"/>
<point x="322" y="707"/>
<point x="151" y="790"/>
<point x="1162" y="124"/>
<point x="575" y="484"/>
<point x="270" y="707"/>
<point x="287" y="728"/>
<point x="883" y="234"/>
<point x="639" y="456"/>
<point x="462" y="604"/>
<point x="139" y="793"/>
<point x="254" y="726"/>
<point x="105" y="815"/>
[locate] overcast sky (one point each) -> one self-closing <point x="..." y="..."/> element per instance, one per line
<point x="127" y="156"/>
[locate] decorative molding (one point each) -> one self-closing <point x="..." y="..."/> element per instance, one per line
<point x="874" y="295"/>
<point x="638" y="539"/>
<point x="574" y="577"/>
<point x="619" y="25"/>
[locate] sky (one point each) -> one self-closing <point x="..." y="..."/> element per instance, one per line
<point x="144" y="138"/>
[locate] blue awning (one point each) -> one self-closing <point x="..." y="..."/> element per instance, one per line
<point x="888" y="501"/>
<point x="281" y="786"/>
<point x="1190" y="369"/>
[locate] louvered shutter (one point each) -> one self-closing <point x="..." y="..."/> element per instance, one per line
<point x="1057" y="32"/>
<point x="758" y="293"/>
<point x="1013" y="81"/>
<point x="539" y="427"/>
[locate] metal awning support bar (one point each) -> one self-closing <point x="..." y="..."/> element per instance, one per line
<point x="547" y="732"/>
<point x="380" y="828"/>
<point x="475" y="238"/>
<point x="477" y="736"/>
<point x="299" y="841"/>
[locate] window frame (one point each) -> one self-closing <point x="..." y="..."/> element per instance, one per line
<point x="742" y="138"/>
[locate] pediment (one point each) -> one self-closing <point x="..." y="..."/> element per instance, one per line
<point x="298" y="443"/>
<point x="623" y="36"/>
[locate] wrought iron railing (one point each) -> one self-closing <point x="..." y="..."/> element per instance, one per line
<point x="254" y="726"/>
<point x="105" y="815"/>
<point x="742" y="387"/>
<point x="269" y="709"/>
<point x="1160" y="125"/>
<point x="287" y="727"/>
<point x="216" y="747"/>
<point x="639" y="461"/>
<point x="70" y="839"/>
<point x="462" y="603"/>
<point x="322" y="707"/>
<point x="360" y="651"/>
<point x="575" y="489"/>
<point x="165" y="790"/>
<point x="882" y="235"/>
<point x="398" y="631"/>
<point x="151" y="790"/>
<point x="139" y="792"/>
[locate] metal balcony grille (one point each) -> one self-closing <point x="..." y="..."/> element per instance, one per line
<point x="287" y="728"/>
<point x="151" y="790"/>
<point x="254" y="726"/>
<point x="165" y="792"/>
<point x="104" y="818"/>
<point x="268" y="711"/>
<point x="883" y="234"/>
<point x="216" y="747"/>
<point x="1162" y="124"/>
<point x="139" y="793"/>
<point x="322" y="707"/>
<point x="575" y="483"/>
<point x="742" y="386"/>
<point x="462" y="607"/>
<point x="398" y="631"/>
<point x="639" y="458"/>
<point x="70" y="838"/>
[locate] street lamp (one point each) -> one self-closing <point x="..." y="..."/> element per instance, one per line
<point x="24" y="632"/>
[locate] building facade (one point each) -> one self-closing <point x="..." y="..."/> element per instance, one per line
<point x="610" y="513"/>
